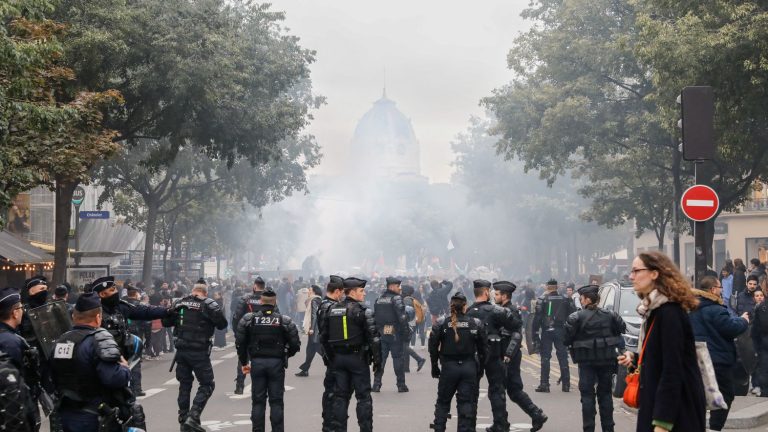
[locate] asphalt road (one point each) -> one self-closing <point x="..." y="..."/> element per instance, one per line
<point x="408" y="412"/>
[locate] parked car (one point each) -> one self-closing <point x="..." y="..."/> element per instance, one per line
<point x="620" y="297"/>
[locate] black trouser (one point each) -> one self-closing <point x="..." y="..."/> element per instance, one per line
<point x="312" y="349"/>
<point x="408" y="353"/>
<point x="494" y="374"/>
<point x="514" y="384"/>
<point x="394" y="345"/>
<point x="600" y="376"/>
<point x="724" y="375"/>
<point x="136" y="377"/>
<point x="351" y="372"/>
<point x="548" y="339"/>
<point x="329" y="382"/>
<point x="267" y="381"/>
<point x="199" y="363"/>
<point x="459" y="378"/>
<point x="761" y="372"/>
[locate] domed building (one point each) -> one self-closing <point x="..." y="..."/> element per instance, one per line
<point x="384" y="143"/>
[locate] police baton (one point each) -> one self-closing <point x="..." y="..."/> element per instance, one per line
<point x="173" y="362"/>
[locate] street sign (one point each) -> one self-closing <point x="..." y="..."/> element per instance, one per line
<point x="700" y="203"/>
<point x="94" y="215"/>
<point x="78" y="196"/>
<point x="698" y="109"/>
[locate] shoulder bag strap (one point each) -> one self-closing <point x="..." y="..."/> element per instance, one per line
<point x="645" y="342"/>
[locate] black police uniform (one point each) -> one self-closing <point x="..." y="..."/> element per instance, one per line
<point x="267" y="338"/>
<point x="392" y="324"/>
<point x="351" y="342"/>
<point x="513" y="379"/>
<point x="495" y="318"/>
<point x="552" y="310"/>
<point x="461" y="370"/>
<point x="594" y="337"/>
<point x="194" y="321"/>
<point x="328" y="380"/>
<point x="91" y="384"/>
<point x="135" y="328"/>
<point x="26" y="361"/>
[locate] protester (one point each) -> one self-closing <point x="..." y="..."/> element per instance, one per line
<point x="739" y="276"/>
<point x="746" y="300"/>
<point x="671" y="393"/>
<point x="726" y="280"/>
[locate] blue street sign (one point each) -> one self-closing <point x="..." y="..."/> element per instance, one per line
<point x="94" y="215"/>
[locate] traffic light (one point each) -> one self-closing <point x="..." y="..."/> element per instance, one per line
<point x="698" y="110"/>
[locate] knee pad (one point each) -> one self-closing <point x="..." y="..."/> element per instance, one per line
<point x="466" y="409"/>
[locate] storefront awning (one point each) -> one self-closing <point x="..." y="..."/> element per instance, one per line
<point x="19" y="251"/>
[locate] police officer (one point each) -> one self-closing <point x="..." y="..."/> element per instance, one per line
<point x="352" y="342"/>
<point x="87" y="366"/>
<point x="594" y="337"/>
<point x="20" y="354"/>
<point x="503" y="291"/>
<point x="194" y="319"/>
<point x="135" y="328"/>
<point x="61" y="293"/>
<point x="333" y="294"/>
<point x="268" y="339"/>
<point x="460" y="344"/>
<point x="247" y="304"/>
<point x="552" y="309"/>
<point x="495" y="318"/>
<point x="117" y="313"/>
<point x="392" y="324"/>
<point x="35" y="294"/>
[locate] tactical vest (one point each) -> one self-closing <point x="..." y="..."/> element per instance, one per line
<point x="465" y="347"/>
<point x="484" y="313"/>
<point x="342" y="330"/>
<point x="74" y="383"/>
<point x="133" y="325"/>
<point x="252" y="302"/>
<point x="594" y="341"/>
<point x="116" y="325"/>
<point x="555" y="309"/>
<point x="266" y="334"/>
<point x="192" y="330"/>
<point x="384" y="310"/>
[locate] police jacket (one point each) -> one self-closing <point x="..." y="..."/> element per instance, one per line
<point x="390" y="315"/>
<point x="194" y="320"/>
<point x="552" y="310"/>
<point x="496" y="319"/>
<point x="472" y="340"/>
<point x="115" y="318"/>
<point x="134" y="327"/>
<point x="593" y="335"/>
<point x="714" y="324"/>
<point x="14" y="345"/>
<point x="512" y="339"/>
<point x="86" y="369"/>
<point x="266" y="333"/>
<point x="247" y="304"/>
<point x="322" y="314"/>
<point x="349" y="327"/>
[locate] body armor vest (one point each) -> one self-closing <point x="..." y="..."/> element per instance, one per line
<point x="252" y="302"/>
<point x="465" y="347"/>
<point x="74" y="383"/>
<point x="555" y="310"/>
<point x="266" y="334"/>
<point x="384" y="310"/>
<point x="133" y="325"/>
<point x="342" y="330"/>
<point x="192" y="330"/>
<point x="595" y="341"/>
<point x="484" y="312"/>
<point x="116" y="324"/>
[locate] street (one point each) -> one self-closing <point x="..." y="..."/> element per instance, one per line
<point x="410" y="412"/>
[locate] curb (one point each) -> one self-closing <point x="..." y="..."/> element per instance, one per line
<point x="745" y="418"/>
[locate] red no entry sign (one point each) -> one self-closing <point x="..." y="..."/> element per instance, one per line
<point x="700" y="203"/>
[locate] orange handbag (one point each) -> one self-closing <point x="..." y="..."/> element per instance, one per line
<point x="632" y="391"/>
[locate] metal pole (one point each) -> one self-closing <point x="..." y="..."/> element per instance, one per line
<point x="700" y="235"/>
<point x="77" y="235"/>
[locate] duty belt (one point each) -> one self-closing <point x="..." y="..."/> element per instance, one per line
<point x="345" y="349"/>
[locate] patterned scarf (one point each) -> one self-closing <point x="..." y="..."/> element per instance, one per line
<point x="653" y="300"/>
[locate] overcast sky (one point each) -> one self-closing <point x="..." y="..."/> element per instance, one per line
<point x="440" y="58"/>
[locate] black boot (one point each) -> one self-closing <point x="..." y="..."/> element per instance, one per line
<point x="538" y="420"/>
<point x="566" y="386"/>
<point x="376" y="387"/>
<point x="420" y="363"/>
<point x="239" y="388"/>
<point x="542" y="388"/>
<point x="192" y="423"/>
<point x="302" y="373"/>
<point x="402" y="388"/>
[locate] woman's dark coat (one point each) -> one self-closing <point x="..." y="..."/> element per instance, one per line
<point x="671" y="389"/>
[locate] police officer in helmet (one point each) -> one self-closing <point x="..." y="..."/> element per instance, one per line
<point x="495" y="319"/>
<point x="392" y="324"/>
<point x="351" y="343"/>
<point x="268" y="339"/>
<point x="194" y="319"/>
<point x="594" y="336"/>
<point x="513" y="381"/>
<point x="87" y="367"/>
<point x="19" y="353"/>
<point x="552" y="310"/>
<point x="249" y="303"/>
<point x="334" y="293"/>
<point x="459" y="343"/>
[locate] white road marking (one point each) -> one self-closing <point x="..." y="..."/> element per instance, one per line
<point x="246" y="393"/>
<point x="229" y="356"/>
<point x="216" y="362"/>
<point x="700" y="203"/>
<point x="151" y="392"/>
<point x="171" y="382"/>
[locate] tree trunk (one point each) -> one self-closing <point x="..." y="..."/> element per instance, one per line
<point x="149" y="242"/>
<point x="63" y="214"/>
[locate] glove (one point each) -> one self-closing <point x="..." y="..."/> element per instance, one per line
<point x="435" y="371"/>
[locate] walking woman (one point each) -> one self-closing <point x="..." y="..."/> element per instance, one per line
<point x="455" y="341"/>
<point x="671" y="391"/>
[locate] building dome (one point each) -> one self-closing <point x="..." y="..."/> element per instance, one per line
<point x="384" y="142"/>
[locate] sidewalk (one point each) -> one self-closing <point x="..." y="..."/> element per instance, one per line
<point x="747" y="413"/>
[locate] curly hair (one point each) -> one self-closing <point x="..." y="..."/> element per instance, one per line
<point x="670" y="282"/>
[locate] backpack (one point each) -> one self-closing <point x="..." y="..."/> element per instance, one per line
<point x="419" y="309"/>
